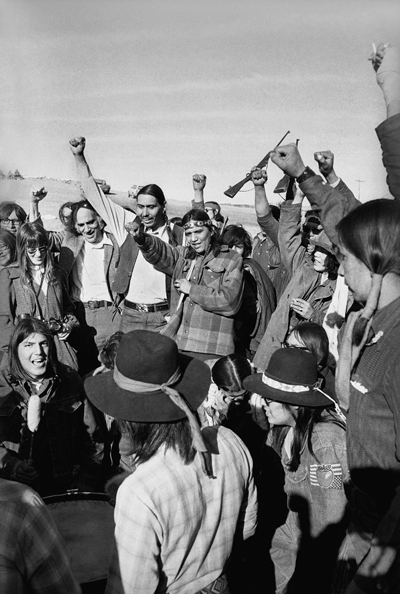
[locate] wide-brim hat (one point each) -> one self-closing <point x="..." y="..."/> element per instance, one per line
<point x="145" y="361"/>
<point x="291" y="377"/>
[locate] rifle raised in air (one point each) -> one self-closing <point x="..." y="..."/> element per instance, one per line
<point x="233" y="190"/>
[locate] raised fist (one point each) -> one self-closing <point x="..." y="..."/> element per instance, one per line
<point x="199" y="181"/>
<point x="259" y="176"/>
<point x="77" y="145"/>
<point x="325" y="161"/>
<point x="37" y="194"/>
<point x="134" y="227"/>
<point x="288" y="159"/>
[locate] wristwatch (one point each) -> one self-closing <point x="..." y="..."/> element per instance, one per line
<point x="305" y="175"/>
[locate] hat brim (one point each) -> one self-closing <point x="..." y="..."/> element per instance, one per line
<point x="312" y="398"/>
<point x="154" y="407"/>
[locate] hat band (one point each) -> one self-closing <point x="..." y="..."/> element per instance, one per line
<point x="192" y="224"/>
<point x="287" y="387"/>
<point x="126" y="383"/>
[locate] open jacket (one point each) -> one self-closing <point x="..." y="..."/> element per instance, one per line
<point x="67" y="426"/>
<point x="207" y="324"/>
<point x="15" y="299"/>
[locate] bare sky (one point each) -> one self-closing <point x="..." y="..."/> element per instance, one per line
<point x="162" y="89"/>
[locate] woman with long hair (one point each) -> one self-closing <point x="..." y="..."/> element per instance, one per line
<point x="369" y="384"/>
<point x="308" y="435"/>
<point x="37" y="288"/>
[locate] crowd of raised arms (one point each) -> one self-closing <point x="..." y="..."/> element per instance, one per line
<point x="235" y="399"/>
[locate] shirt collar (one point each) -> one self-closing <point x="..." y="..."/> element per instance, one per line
<point x="99" y="246"/>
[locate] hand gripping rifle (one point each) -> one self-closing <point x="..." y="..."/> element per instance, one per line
<point x="233" y="190"/>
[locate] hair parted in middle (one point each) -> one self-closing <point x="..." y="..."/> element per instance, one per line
<point x="196" y="214"/>
<point x="32" y="236"/>
<point x="23" y="329"/>
<point x="229" y="372"/>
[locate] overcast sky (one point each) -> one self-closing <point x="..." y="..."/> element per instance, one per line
<point x="162" y="89"/>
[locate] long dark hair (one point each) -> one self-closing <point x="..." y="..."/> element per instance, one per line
<point x="23" y="329"/>
<point x="229" y="372"/>
<point x="236" y="235"/>
<point x="371" y="232"/>
<point x="155" y="191"/>
<point x="147" y="438"/>
<point x="200" y="215"/>
<point x="33" y="235"/>
<point x="306" y="419"/>
<point x="10" y="241"/>
<point x="316" y="340"/>
<point x="331" y="264"/>
<point x="8" y="207"/>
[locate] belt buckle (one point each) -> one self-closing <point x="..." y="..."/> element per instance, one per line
<point x="142" y="307"/>
<point x="92" y="304"/>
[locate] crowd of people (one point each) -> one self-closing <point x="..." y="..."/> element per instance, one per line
<point x="237" y="399"/>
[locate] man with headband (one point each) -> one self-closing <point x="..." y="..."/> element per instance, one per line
<point x="177" y="514"/>
<point x="207" y="285"/>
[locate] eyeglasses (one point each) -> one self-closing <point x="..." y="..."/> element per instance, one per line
<point x="4" y="249"/>
<point x="11" y="222"/>
<point x="32" y="251"/>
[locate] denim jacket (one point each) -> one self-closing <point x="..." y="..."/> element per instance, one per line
<point x="315" y="491"/>
<point x="67" y="426"/>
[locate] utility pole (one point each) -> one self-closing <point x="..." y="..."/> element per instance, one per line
<point x="360" y="181"/>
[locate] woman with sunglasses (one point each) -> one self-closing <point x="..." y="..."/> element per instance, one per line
<point x="36" y="288"/>
<point x="306" y="429"/>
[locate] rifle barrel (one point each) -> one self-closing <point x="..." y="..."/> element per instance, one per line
<point x="233" y="190"/>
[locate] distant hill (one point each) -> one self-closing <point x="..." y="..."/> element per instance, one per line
<point x="60" y="191"/>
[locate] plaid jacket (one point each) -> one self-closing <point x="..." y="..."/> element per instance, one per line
<point x="215" y="295"/>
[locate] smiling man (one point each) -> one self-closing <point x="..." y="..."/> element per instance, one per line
<point x="145" y="291"/>
<point x="89" y="257"/>
<point x="44" y="441"/>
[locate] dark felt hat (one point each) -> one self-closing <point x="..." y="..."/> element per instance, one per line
<point x="144" y="362"/>
<point x="291" y="377"/>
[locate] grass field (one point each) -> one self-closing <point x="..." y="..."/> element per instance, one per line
<point x="60" y="191"/>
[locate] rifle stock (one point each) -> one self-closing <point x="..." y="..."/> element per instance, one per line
<point x="233" y="190"/>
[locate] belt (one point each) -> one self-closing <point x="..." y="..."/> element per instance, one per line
<point x="96" y="304"/>
<point x="147" y="307"/>
<point x="219" y="585"/>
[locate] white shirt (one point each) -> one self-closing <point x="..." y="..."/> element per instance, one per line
<point x="147" y="285"/>
<point x="88" y="277"/>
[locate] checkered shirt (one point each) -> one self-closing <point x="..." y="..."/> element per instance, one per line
<point x="215" y="295"/>
<point x="175" y="525"/>
<point x="32" y="553"/>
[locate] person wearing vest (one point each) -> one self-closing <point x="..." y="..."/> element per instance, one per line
<point x="145" y="290"/>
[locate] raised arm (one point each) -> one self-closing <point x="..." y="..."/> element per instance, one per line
<point x="199" y="183"/>
<point x="387" y="67"/>
<point x="329" y="201"/>
<point x="265" y="218"/>
<point x="112" y="214"/>
<point x="158" y="253"/>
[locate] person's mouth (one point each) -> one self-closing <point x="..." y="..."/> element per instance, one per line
<point x="39" y="362"/>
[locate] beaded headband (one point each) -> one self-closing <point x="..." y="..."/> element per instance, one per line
<point x="192" y="224"/>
